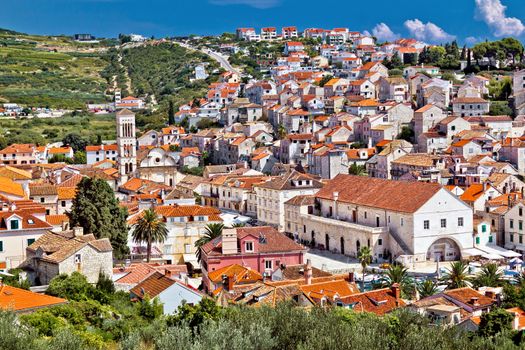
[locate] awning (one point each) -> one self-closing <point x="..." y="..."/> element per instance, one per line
<point x="494" y="249"/>
<point x="477" y="252"/>
<point x="191" y="259"/>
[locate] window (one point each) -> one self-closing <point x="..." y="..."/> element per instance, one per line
<point x="520" y="239"/>
<point x="187" y="248"/>
<point x="30" y="241"/>
<point x="511" y="223"/>
<point x="42" y="199"/>
<point x="268" y="264"/>
<point x="379" y="241"/>
<point x="15" y="224"/>
<point x="443" y="223"/>
<point x="365" y="215"/>
<point x="477" y="240"/>
<point x="402" y="221"/>
<point x="520" y="210"/>
<point x="78" y="258"/>
<point x="63" y="204"/>
<point x="520" y="225"/>
<point x="1" y="246"/>
<point x="248" y="246"/>
<point x="490" y="239"/>
<point x="460" y="222"/>
<point x="483" y="228"/>
<point x="426" y="224"/>
<point x="511" y="236"/>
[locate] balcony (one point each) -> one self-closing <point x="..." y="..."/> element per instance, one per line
<point x="347" y="225"/>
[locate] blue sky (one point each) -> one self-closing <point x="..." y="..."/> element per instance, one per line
<point x="436" y="21"/>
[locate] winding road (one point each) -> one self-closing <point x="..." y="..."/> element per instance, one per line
<point x="223" y="61"/>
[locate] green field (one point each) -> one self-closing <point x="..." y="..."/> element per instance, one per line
<point x="46" y="130"/>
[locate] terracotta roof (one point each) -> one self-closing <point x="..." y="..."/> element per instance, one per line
<point x="21" y="300"/>
<point x="379" y="193"/>
<point x="472" y="193"/>
<point x="301" y="200"/>
<point x="287" y="182"/>
<point x="42" y="190"/>
<point x="152" y="286"/>
<point x="59" y="246"/>
<point x="57" y="219"/>
<point x="10" y="187"/>
<point x="14" y="173"/>
<point x="66" y="192"/>
<point x="275" y="241"/>
<point x="19" y="148"/>
<point x="469" y="100"/>
<point x="341" y="288"/>
<point x="240" y="273"/>
<point x="425" y="108"/>
<point x="28" y="221"/>
<point x="465" y="295"/>
<point x="379" y="302"/>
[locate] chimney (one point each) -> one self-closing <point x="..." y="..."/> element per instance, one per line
<point x="231" y="282"/>
<point x="229" y="241"/>
<point x="351" y="277"/>
<point x="396" y="290"/>
<point x="167" y="273"/>
<point x="516" y="321"/>
<point x="474" y="301"/>
<point x="308" y="272"/>
<point x="78" y="231"/>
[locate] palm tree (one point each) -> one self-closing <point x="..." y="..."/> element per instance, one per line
<point x="489" y="276"/>
<point x="212" y="231"/>
<point x="457" y="275"/>
<point x="427" y="288"/>
<point x="396" y="273"/>
<point x="149" y="228"/>
<point x="365" y="258"/>
<point x="358" y="170"/>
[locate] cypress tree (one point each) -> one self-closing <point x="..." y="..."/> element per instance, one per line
<point x="96" y="209"/>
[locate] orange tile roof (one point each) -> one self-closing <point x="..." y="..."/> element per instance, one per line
<point x="57" y="219"/>
<point x="10" y="187"/>
<point x="14" y="173"/>
<point x="59" y="150"/>
<point x="340" y="288"/>
<point x="21" y="300"/>
<point x="66" y="192"/>
<point x="240" y="273"/>
<point x="19" y="148"/>
<point x="472" y="193"/>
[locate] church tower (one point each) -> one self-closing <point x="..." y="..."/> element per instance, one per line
<point x="126" y="143"/>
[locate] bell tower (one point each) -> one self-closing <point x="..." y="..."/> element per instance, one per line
<point x="126" y="143"/>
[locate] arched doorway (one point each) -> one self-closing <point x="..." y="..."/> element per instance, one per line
<point x="342" y="245"/>
<point x="327" y="241"/>
<point x="444" y="249"/>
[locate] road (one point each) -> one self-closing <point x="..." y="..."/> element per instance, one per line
<point x="223" y="61"/>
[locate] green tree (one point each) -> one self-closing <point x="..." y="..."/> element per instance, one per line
<point x="171" y="113"/>
<point x="396" y="273"/>
<point x="70" y="287"/>
<point x="75" y="141"/>
<point x="325" y="80"/>
<point x="96" y="209"/>
<point x="149" y="228"/>
<point x="406" y="134"/>
<point x="494" y="322"/>
<point x="80" y="157"/>
<point x="488" y="276"/>
<point x="359" y="170"/>
<point x="427" y="288"/>
<point x="212" y="231"/>
<point x="196" y="315"/>
<point x="457" y="275"/>
<point x="364" y="255"/>
<point x="16" y="279"/>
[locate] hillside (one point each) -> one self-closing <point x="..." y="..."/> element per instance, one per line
<point x="50" y="71"/>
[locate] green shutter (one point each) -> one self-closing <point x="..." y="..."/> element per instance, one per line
<point x="477" y="240"/>
<point x="490" y="239"/>
<point x="1" y="246"/>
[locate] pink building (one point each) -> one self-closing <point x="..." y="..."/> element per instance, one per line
<point x="260" y="248"/>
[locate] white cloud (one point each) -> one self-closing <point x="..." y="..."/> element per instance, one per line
<point x="428" y="32"/>
<point x="471" y="40"/>
<point x="259" y="4"/>
<point x="492" y="12"/>
<point x="383" y="33"/>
